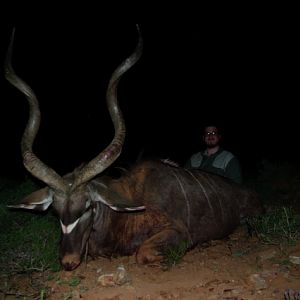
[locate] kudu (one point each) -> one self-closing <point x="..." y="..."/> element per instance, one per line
<point x="151" y="208"/>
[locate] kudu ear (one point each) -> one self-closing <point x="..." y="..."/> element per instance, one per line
<point x="98" y="191"/>
<point x="39" y="200"/>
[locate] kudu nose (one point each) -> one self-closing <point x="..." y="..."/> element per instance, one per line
<point x="70" y="262"/>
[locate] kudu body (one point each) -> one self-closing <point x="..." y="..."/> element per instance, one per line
<point x="152" y="207"/>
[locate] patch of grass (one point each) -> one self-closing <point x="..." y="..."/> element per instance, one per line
<point x="279" y="226"/>
<point x="174" y="255"/>
<point x="12" y="192"/>
<point x="73" y="281"/>
<point x="67" y="296"/>
<point x="278" y="183"/>
<point x="42" y="295"/>
<point x="29" y="241"/>
<point x="32" y="246"/>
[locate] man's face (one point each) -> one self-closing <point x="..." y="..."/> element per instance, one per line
<point x="211" y="136"/>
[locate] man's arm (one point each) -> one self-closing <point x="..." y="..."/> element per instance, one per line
<point x="194" y="161"/>
<point x="188" y="164"/>
<point x="233" y="170"/>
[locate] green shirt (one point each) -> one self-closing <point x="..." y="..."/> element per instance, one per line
<point x="222" y="162"/>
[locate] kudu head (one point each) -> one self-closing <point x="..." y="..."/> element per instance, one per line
<point x="71" y="196"/>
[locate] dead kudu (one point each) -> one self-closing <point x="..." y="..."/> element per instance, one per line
<point x="149" y="209"/>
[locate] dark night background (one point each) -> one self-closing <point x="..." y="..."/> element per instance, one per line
<point x="240" y="72"/>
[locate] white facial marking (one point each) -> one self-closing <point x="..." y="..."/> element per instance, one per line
<point x="87" y="204"/>
<point x="135" y="208"/>
<point x="68" y="229"/>
<point x="127" y="208"/>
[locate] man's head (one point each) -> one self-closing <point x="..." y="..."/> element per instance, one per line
<point x="211" y="136"/>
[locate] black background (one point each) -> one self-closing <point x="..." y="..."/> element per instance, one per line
<point x="239" y="70"/>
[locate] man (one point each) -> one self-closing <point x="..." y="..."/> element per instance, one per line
<point x="214" y="158"/>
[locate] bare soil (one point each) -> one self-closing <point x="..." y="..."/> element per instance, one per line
<point x="236" y="268"/>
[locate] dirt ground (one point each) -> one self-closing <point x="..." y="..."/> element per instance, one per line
<point x="236" y="268"/>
